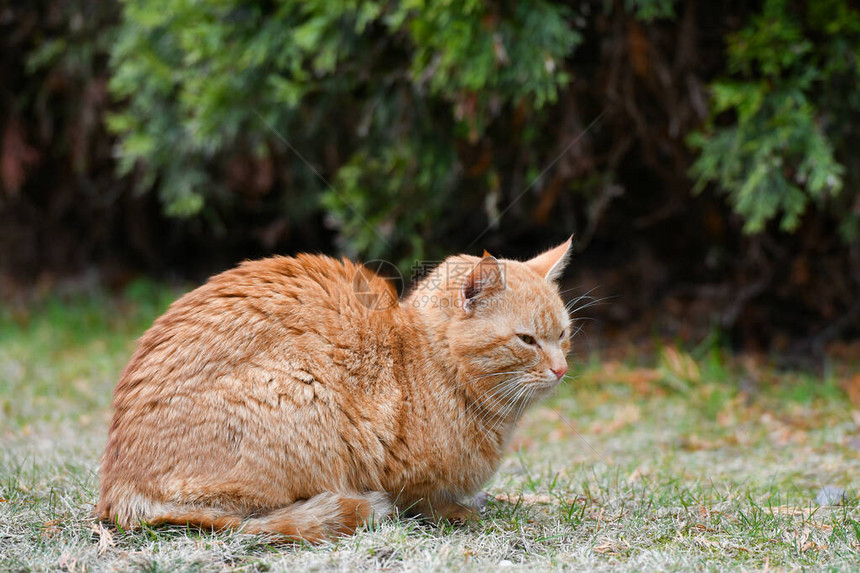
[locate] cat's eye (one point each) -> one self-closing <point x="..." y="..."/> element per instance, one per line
<point x="527" y="338"/>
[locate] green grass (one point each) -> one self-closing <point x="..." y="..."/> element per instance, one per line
<point x="676" y="462"/>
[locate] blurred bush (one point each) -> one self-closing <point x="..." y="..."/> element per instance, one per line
<point x="413" y="88"/>
<point x="358" y="107"/>
<point x="783" y="124"/>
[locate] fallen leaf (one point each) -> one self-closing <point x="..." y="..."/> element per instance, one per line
<point x="51" y="528"/>
<point x="643" y="381"/>
<point x="852" y="388"/>
<point x="605" y="548"/>
<point x="789" y="510"/>
<point x="706" y="542"/>
<point x="106" y="540"/>
<point x="680" y="365"/>
<point x="67" y="562"/>
<point x="625" y="416"/>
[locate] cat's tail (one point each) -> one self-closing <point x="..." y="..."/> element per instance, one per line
<point x="321" y="517"/>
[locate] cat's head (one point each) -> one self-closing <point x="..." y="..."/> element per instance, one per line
<point x="503" y="321"/>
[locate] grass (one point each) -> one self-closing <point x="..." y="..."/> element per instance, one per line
<point x="686" y="460"/>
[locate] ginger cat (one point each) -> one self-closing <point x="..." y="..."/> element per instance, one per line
<point x="274" y="399"/>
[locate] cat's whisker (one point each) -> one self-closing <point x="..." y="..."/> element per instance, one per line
<point x="586" y="293"/>
<point x="512" y="399"/>
<point x="500" y="394"/>
<point x="516" y="400"/>
<point x="572" y="308"/>
<point x="525" y="402"/>
<point x="501" y="415"/>
<point x="494" y="411"/>
<point x="584" y="296"/>
<point x="501" y="397"/>
<point x="496" y="395"/>
<point x="478" y="378"/>
<point x="522" y="372"/>
<point x="576" y="302"/>
<point x="510" y="394"/>
<point x="499" y="374"/>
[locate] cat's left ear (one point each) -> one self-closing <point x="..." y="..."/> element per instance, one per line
<point x="551" y="263"/>
<point x="483" y="281"/>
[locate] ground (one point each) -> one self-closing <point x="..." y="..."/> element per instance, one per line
<point x="656" y="461"/>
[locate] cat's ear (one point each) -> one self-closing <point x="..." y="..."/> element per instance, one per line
<point x="484" y="280"/>
<point x="551" y="263"/>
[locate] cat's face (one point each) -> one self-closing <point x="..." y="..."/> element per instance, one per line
<point x="509" y="329"/>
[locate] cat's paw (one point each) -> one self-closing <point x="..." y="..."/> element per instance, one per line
<point x="442" y="511"/>
<point x="457" y="513"/>
<point x="479" y="501"/>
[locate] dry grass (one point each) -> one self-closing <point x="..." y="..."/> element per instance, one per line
<point x="690" y="461"/>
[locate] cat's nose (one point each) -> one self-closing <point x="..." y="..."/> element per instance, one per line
<point x="560" y="372"/>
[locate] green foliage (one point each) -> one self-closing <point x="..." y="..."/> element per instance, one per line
<point x="398" y="193"/>
<point x="370" y="110"/>
<point x="374" y="95"/>
<point x="648" y="10"/>
<point x="463" y="47"/>
<point x="774" y="134"/>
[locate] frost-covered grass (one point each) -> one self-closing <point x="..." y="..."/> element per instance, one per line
<point x="671" y="462"/>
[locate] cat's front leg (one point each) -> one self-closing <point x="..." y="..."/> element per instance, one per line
<point x="443" y="508"/>
<point x="456" y="512"/>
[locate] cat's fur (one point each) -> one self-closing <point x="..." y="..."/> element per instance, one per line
<point x="295" y="395"/>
